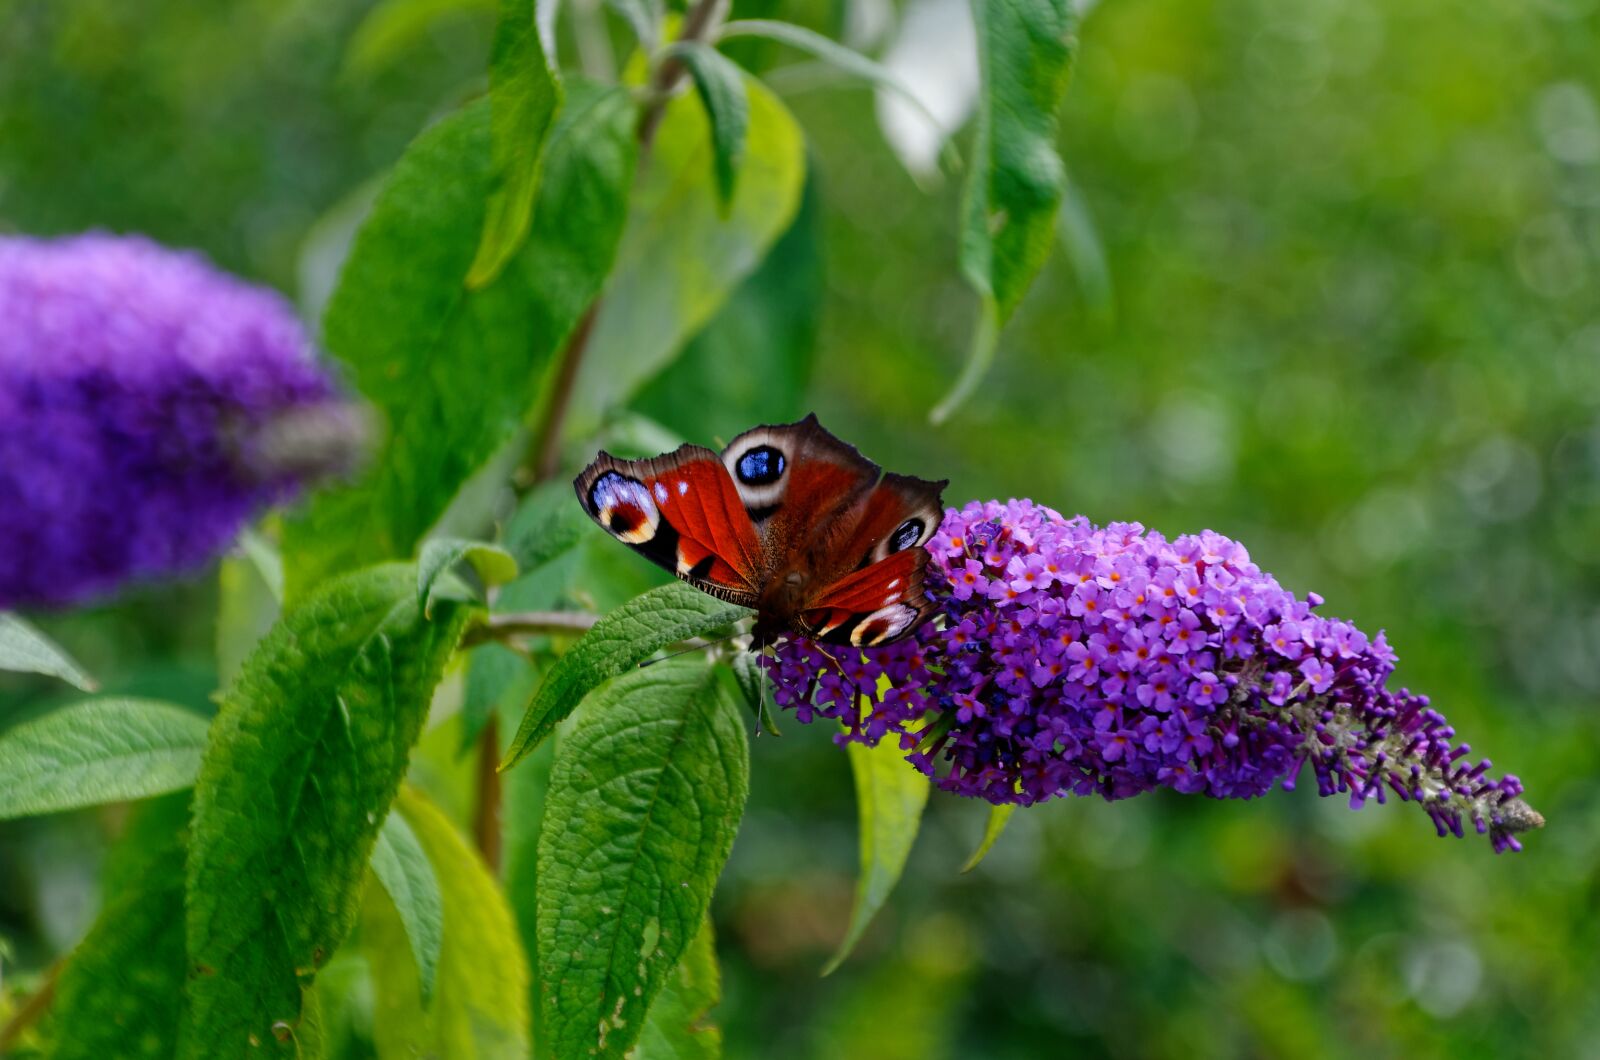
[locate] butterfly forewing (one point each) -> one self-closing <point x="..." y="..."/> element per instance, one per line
<point x="682" y="512"/>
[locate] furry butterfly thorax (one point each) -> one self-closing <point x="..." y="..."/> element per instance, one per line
<point x="787" y="520"/>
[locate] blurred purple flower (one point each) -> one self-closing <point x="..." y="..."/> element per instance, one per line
<point x="1076" y="660"/>
<point x="149" y="405"/>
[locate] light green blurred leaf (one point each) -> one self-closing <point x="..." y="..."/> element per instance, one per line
<point x="644" y="801"/>
<point x="121" y="992"/>
<point x="679" y="1026"/>
<point x="401" y="865"/>
<point x="547" y="523"/>
<point x="998" y="816"/>
<point x="618" y="642"/>
<point x="305" y="756"/>
<point x="524" y="96"/>
<point x="480" y="1010"/>
<point x="249" y="599"/>
<point x="1080" y="242"/>
<point x="1016" y="180"/>
<point x="829" y="51"/>
<point x="682" y="254"/>
<point x="494" y="565"/>
<point x="642" y="18"/>
<point x="496" y="676"/>
<point x="890" y="796"/>
<point x="720" y="85"/>
<point x="768" y="328"/>
<point x="455" y="371"/>
<point x="101" y="750"/>
<point x="393" y="27"/>
<point x="23" y="649"/>
<point x="523" y="799"/>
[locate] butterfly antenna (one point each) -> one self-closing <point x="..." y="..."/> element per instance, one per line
<point x="686" y="651"/>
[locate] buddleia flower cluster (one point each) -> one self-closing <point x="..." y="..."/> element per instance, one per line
<point x="1070" y="659"/>
<point x="149" y="405"/>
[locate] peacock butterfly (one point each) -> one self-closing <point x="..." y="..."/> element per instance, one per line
<point x="787" y="520"/>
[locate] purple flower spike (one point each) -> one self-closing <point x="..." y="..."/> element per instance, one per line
<point x="1075" y="660"/>
<point x="149" y="405"/>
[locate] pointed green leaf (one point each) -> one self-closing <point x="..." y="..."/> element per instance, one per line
<point x="305" y="756"/>
<point x="547" y="524"/>
<point x="644" y="801"/>
<point x="496" y="676"/>
<point x="493" y="564"/>
<point x="480" y="1009"/>
<point x="998" y="816"/>
<point x="641" y="19"/>
<point x="24" y="649"/>
<point x="249" y="601"/>
<point x="683" y="254"/>
<point x="618" y="642"/>
<point x="402" y="867"/>
<point x="524" y="95"/>
<point x="679" y="1026"/>
<point x="720" y="84"/>
<point x="101" y="750"/>
<point x="1016" y="180"/>
<point x="454" y="371"/>
<point x="829" y="51"/>
<point x="392" y="28"/>
<point x="121" y="992"/>
<point x="890" y="795"/>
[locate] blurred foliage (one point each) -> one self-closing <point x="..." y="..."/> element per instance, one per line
<point x="1352" y="253"/>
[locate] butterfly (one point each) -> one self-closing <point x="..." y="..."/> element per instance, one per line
<point x="787" y="520"/>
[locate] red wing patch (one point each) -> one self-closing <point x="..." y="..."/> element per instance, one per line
<point x="682" y="512"/>
<point x="885" y="582"/>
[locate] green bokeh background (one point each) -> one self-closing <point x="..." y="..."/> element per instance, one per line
<point x="1345" y="308"/>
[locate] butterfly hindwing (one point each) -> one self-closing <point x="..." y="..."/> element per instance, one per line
<point x="878" y="604"/>
<point x="682" y="512"/>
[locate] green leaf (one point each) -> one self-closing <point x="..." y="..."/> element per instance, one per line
<point x="494" y="565"/>
<point x="455" y="370"/>
<point x="827" y="50"/>
<point x="249" y="599"/>
<point x="548" y="523"/>
<point x="480" y="1011"/>
<point x="496" y="675"/>
<point x="644" y="801"/>
<point x="401" y="865"/>
<point x="121" y="991"/>
<point x="524" y="96"/>
<point x="617" y="643"/>
<point x="641" y="18"/>
<point x="998" y="816"/>
<point x="392" y="28"/>
<point x="305" y="756"/>
<point x="1016" y="180"/>
<point x="101" y="750"/>
<point x="678" y="1026"/>
<point x="683" y="253"/>
<point x="24" y="649"/>
<point x="890" y="795"/>
<point x="720" y="84"/>
<point x="523" y="800"/>
<point x="768" y="328"/>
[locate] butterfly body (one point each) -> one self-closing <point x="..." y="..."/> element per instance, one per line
<point x="787" y="520"/>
